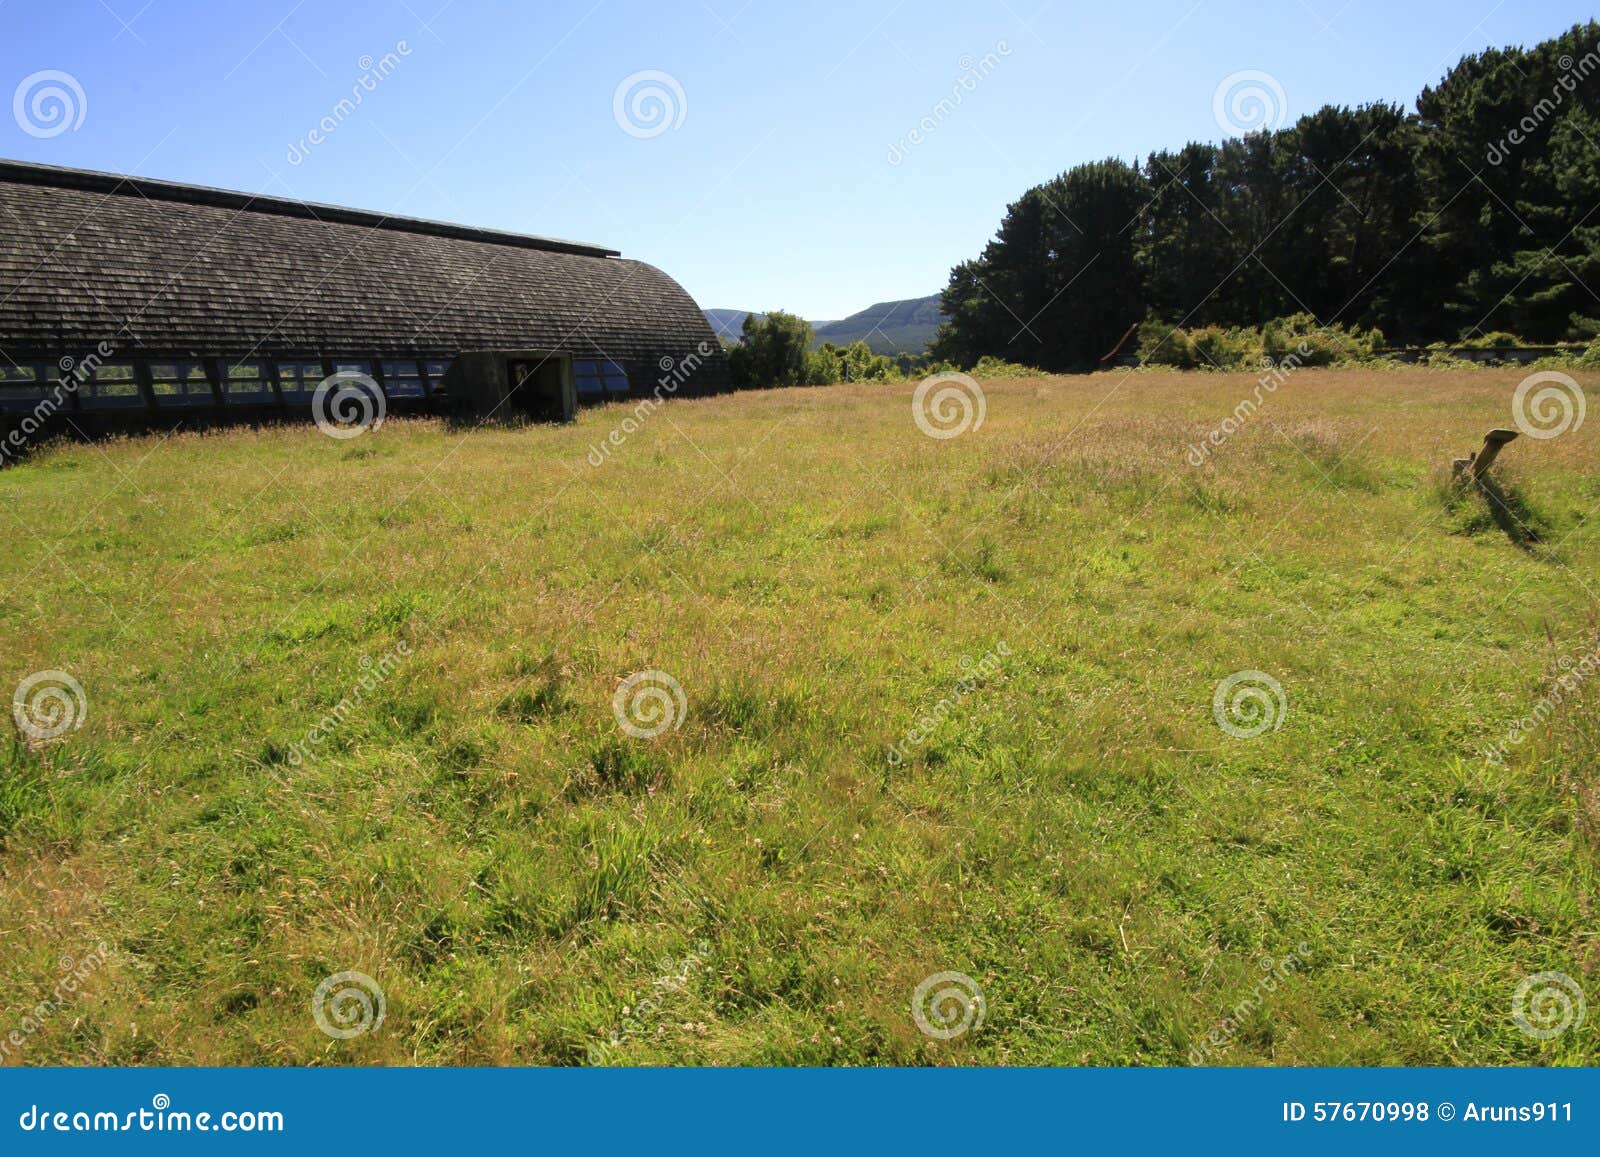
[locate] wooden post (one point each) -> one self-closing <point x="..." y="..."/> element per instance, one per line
<point x="1478" y="464"/>
<point x="214" y="378"/>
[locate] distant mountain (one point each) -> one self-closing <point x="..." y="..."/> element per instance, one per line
<point x="728" y="324"/>
<point x="890" y="327"/>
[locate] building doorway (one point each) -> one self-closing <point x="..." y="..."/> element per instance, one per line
<point x="537" y="388"/>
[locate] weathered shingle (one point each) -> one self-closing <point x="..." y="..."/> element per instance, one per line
<point x="149" y="266"/>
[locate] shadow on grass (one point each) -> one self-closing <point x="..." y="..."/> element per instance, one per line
<point x="1511" y="513"/>
<point x="1491" y="502"/>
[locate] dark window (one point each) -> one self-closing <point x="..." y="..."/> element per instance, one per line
<point x="247" y="383"/>
<point x="437" y="368"/>
<point x="182" y="383"/>
<point x="402" y="379"/>
<point x="600" y="377"/>
<point x="111" y="387"/>
<point x="299" y="380"/>
<point x="362" y="366"/>
<point x="22" y="387"/>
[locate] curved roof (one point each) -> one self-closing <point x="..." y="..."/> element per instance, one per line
<point x="154" y="266"/>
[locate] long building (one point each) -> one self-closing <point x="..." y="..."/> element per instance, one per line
<point x="131" y="303"/>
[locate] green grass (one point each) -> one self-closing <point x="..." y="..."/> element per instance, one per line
<point x="762" y="884"/>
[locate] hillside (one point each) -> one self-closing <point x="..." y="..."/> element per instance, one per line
<point x="727" y="323"/>
<point x="890" y="327"/>
<point x="910" y="707"/>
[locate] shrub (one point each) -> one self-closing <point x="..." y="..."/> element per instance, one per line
<point x="1319" y="345"/>
<point x="852" y="363"/>
<point x="1161" y="344"/>
<point x="993" y="367"/>
<point x="1438" y="356"/>
<point x="1239" y="348"/>
<point x="1226" y="349"/>
<point x="1497" y="339"/>
<point x="772" y="352"/>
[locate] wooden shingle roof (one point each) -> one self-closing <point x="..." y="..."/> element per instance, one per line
<point x="153" y="266"/>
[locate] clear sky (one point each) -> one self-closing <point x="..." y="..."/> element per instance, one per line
<point x="770" y="183"/>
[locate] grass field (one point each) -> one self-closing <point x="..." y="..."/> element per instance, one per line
<point x="764" y="882"/>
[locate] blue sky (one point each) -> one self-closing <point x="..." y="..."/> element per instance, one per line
<point x="770" y="184"/>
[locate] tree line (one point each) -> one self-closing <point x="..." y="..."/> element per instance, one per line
<point x="1478" y="212"/>
<point x="774" y="350"/>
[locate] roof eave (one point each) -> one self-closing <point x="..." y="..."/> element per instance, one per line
<point x="157" y="190"/>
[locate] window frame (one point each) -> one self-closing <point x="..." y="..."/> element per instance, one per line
<point x="183" y="376"/>
<point x="599" y="378"/>
<point x="22" y="397"/>
<point x="90" y="397"/>
<point x="266" y="393"/>
<point x="401" y="383"/>
<point x="298" y="395"/>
